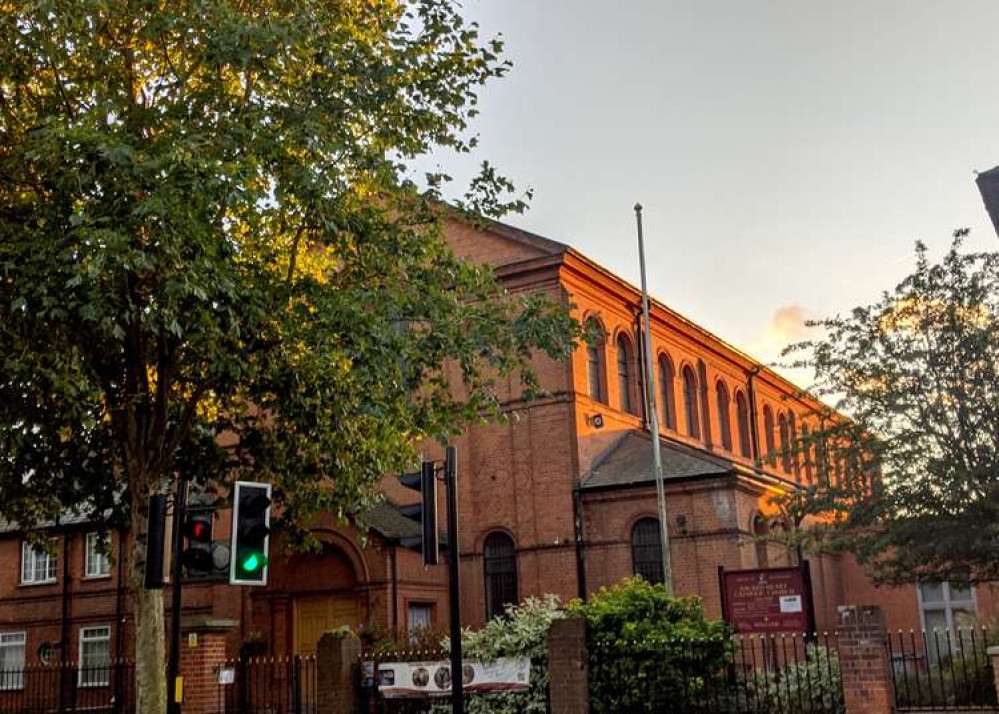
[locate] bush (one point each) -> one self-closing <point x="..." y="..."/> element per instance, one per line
<point x="812" y="685"/>
<point x="522" y="632"/>
<point x="649" y="650"/>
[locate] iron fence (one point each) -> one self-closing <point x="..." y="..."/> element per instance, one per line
<point x="268" y="685"/>
<point x="774" y="674"/>
<point x="66" y="687"/>
<point x="372" y="702"/>
<point x="942" y="669"/>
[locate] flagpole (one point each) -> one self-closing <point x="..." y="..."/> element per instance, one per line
<point x="650" y="404"/>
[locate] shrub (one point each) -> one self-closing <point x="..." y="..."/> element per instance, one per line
<point x="812" y="685"/>
<point x="521" y="632"/>
<point x="649" y="650"/>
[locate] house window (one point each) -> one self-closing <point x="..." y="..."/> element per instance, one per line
<point x="12" y="660"/>
<point x="690" y="403"/>
<point x="667" y="396"/>
<point x="742" y="416"/>
<point x="37" y="565"/>
<point x="785" y="443"/>
<point x="95" y="656"/>
<point x="624" y="378"/>
<point x="98" y="563"/>
<point x="946" y="608"/>
<point x="724" y="423"/>
<point x="647" y="551"/>
<point x="500" y="565"/>
<point x="768" y="433"/>
<point x="420" y="619"/>
<point x="595" y="379"/>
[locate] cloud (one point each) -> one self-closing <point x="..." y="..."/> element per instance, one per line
<point x="788" y="325"/>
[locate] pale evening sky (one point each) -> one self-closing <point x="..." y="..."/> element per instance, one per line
<point x="788" y="152"/>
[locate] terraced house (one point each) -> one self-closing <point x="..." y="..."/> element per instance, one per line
<point x="556" y="499"/>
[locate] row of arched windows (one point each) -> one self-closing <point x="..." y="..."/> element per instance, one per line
<point x="737" y="440"/>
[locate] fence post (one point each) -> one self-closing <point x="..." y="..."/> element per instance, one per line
<point x="993" y="655"/>
<point x="337" y="674"/>
<point x="568" y="680"/>
<point x="202" y="655"/>
<point x="863" y="660"/>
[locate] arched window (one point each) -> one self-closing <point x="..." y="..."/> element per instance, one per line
<point x="595" y="379"/>
<point x="625" y="382"/>
<point x="667" y="396"/>
<point x="724" y="422"/>
<point x="690" y="403"/>
<point x="806" y="446"/>
<point x="647" y="550"/>
<point x="768" y="432"/>
<point x="785" y="443"/>
<point x="760" y="531"/>
<point x="742" y="415"/>
<point x="499" y="560"/>
<point x="792" y="427"/>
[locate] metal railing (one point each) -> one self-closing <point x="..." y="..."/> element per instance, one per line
<point x="275" y="685"/>
<point x="372" y="702"/>
<point x="66" y="687"/>
<point x="941" y="670"/>
<point x="772" y="674"/>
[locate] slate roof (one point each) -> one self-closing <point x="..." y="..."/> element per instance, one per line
<point x="629" y="463"/>
<point x="388" y="521"/>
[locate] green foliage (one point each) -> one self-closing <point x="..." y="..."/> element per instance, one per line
<point x="910" y="482"/>
<point x="648" y="648"/>
<point x="809" y="686"/>
<point x="521" y="632"/>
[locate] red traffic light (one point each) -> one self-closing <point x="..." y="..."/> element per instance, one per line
<point x="198" y="527"/>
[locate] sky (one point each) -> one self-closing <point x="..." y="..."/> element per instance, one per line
<point x="788" y="153"/>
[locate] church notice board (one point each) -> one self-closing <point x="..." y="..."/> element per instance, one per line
<point x="767" y="600"/>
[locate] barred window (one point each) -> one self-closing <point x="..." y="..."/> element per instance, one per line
<point x="12" y="660"/>
<point x="95" y="656"/>
<point x="500" y="565"/>
<point x="647" y="551"/>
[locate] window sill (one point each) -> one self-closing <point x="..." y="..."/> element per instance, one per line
<point x="87" y="578"/>
<point x="12" y="689"/>
<point x="92" y="685"/>
<point x="37" y="583"/>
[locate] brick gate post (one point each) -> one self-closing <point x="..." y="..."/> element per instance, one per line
<point x="202" y="653"/>
<point x="338" y="676"/>
<point x="568" y="681"/>
<point x="863" y="660"/>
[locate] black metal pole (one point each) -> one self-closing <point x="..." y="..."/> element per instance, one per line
<point x="173" y="666"/>
<point x="451" y="483"/>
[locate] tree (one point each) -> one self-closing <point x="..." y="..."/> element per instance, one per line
<point x="206" y="231"/>
<point x="908" y="477"/>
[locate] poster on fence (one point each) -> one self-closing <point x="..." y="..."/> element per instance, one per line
<point x="433" y="679"/>
<point x="766" y="600"/>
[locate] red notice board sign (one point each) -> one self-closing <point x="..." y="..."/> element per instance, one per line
<point x="767" y="600"/>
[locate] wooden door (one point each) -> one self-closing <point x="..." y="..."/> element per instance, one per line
<point x="315" y="615"/>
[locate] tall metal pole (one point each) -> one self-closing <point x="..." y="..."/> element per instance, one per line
<point x="173" y="665"/>
<point x="451" y="484"/>
<point x="650" y="403"/>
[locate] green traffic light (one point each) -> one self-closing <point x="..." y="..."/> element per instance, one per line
<point x="252" y="562"/>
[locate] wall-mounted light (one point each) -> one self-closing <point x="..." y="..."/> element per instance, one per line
<point x="598" y="421"/>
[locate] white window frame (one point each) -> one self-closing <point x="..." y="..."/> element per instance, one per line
<point x="93" y="555"/>
<point x="947" y="605"/>
<point x="30" y="554"/>
<point x="411" y="625"/>
<point x="11" y="679"/>
<point x="84" y="638"/>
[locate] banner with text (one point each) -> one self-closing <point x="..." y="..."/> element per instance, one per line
<point x="433" y="679"/>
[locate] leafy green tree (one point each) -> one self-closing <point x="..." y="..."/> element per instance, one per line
<point x="206" y="231"/>
<point x="909" y="479"/>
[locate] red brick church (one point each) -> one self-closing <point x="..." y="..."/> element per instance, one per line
<point x="558" y="499"/>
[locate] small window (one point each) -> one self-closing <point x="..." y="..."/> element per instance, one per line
<point x="98" y="563"/>
<point x="625" y="381"/>
<point x="595" y="379"/>
<point x="690" y="403"/>
<point x="785" y="443"/>
<point x="742" y="415"/>
<point x="37" y="565"/>
<point x="420" y="619"/>
<point x="724" y="422"/>
<point x="768" y="433"/>
<point x="667" y="397"/>
<point x="95" y="656"/>
<point x="647" y="550"/>
<point x="12" y="660"/>
<point x="499" y="561"/>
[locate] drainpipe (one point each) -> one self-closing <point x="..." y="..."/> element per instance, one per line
<point x="395" y="589"/>
<point x="119" y="616"/>
<point x="577" y="519"/>
<point x="754" y="438"/>
<point x="65" y="672"/>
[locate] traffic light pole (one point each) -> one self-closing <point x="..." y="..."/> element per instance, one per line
<point x="173" y="665"/>
<point x="454" y="595"/>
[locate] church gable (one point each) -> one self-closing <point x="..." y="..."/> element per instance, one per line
<point x="497" y="244"/>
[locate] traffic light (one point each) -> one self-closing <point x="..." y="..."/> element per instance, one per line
<point x="197" y="555"/>
<point x="157" y="537"/>
<point x="251" y="520"/>
<point x="428" y="542"/>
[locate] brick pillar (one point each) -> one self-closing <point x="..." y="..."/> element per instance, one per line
<point x="201" y="656"/>
<point x="568" y="683"/>
<point x="993" y="654"/>
<point x="338" y="674"/>
<point x="863" y="660"/>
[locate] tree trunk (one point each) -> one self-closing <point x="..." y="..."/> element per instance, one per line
<point x="150" y="630"/>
